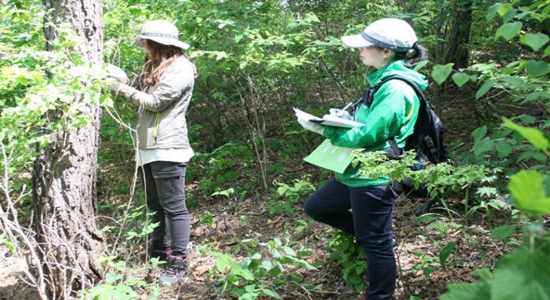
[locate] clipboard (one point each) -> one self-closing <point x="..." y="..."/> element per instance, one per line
<point x="330" y="157"/>
<point x="329" y="120"/>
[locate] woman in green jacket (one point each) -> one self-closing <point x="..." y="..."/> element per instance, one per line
<point x="352" y="202"/>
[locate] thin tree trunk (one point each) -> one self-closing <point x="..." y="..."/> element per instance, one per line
<point x="64" y="178"/>
<point x="459" y="38"/>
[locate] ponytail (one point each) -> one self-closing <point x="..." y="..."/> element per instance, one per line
<point x="415" y="54"/>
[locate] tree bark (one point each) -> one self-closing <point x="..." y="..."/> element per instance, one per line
<point x="459" y="38"/>
<point x="64" y="177"/>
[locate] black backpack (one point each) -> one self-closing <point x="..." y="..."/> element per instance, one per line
<point x="426" y="140"/>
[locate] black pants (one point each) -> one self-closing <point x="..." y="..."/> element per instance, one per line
<point x="164" y="184"/>
<point x="366" y="213"/>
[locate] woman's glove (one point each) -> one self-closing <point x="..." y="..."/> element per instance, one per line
<point x="116" y="78"/>
<point x="116" y="73"/>
<point x="314" y="127"/>
<point x="340" y="113"/>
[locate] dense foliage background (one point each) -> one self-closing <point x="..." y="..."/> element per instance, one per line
<point x="488" y="73"/>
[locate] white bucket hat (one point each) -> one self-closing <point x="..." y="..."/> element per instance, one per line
<point x="388" y="33"/>
<point x="162" y="32"/>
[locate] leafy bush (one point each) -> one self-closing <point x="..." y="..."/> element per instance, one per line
<point x="263" y="274"/>
<point x="288" y="196"/>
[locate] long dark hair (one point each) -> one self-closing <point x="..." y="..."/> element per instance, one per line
<point x="416" y="54"/>
<point x="157" y="60"/>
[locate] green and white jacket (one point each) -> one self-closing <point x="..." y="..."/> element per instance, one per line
<point x="392" y="113"/>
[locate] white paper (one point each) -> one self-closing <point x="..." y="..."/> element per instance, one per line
<point x="329" y="120"/>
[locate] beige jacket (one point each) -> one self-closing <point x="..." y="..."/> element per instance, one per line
<point x="162" y="123"/>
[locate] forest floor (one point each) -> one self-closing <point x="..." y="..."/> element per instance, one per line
<point x="417" y="249"/>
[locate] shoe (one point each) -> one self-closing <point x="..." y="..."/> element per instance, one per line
<point x="176" y="270"/>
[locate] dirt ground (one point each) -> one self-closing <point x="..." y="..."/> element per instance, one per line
<point x="417" y="248"/>
<point x="417" y="243"/>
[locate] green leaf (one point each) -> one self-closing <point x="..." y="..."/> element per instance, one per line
<point x="503" y="232"/>
<point x="534" y="40"/>
<point x="503" y="149"/>
<point x="528" y="189"/>
<point x="536" y="155"/>
<point x="534" y="136"/>
<point x="536" y="68"/>
<point x="479" y="133"/>
<point x="547" y="51"/>
<point x="421" y="64"/>
<point x="483" y="146"/>
<point x="510" y="14"/>
<point x="467" y="291"/>
<point x="441" y="72"/>
<point x="484" y="88"/>
<point x="444" y="254"/>
<point x="492" y="11"/>
<point x="509" y="30"/>
<point x="271" y="293"/>
<point x="426" y="218"/>
<point x="223" y="262"/>
<point x="460" y="79"/>
<point x="523" y="274"/>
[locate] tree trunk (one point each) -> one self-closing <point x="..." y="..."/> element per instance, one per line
<point x="459" y="38"/>
<point x="64" y="178"/>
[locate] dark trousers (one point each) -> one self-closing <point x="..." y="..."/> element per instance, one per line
<point x="164" y="184"/>
<point x="366" y="213"/>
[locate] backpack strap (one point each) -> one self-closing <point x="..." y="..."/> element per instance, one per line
<point x="368" y="98"/>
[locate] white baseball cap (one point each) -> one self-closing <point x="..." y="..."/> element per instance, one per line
<point x="388" y="33"/>
<point x="162" y="32"/>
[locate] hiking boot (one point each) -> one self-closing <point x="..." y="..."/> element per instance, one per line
<point x="176" y="270"/>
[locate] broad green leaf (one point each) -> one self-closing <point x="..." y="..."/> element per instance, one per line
<point x="467" y="291"/>
<point x="523" y="274"/>
<point x="529" y="192"/>
<point x="492" y="11"/>
<point x="534" y="136"/>
<point x="534" y="40"/>
<point x="513" y="82"/>
<point x="223" y="262"/>
<point x="441" y="72"/>
<point x="509" y="30"/>
<point x="244" y="273"/>
<point x="547" y="51"/>
<point x="503" y="149"/>
<point x="510" y="15"/>
<point x="504" y="8"/>
<point x="421" y="64"/>
<point x="483" y="146"/>
<point x="460" y="78"/>
<point x="503" y="232"/>
<point x="427" y="218"/>
<point x="479" y="133"/>
<point x="536" y="155"/>
<point x="536" y="68"/>
<point x="444" y="254"/>
<point x="484" y="88"/>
